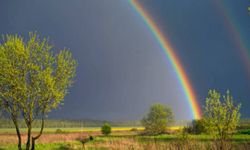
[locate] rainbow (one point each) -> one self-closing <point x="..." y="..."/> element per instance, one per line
<point x="235" y="32"/>
<point x="172" y="57"/>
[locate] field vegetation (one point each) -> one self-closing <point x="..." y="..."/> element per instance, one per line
<point x="127" y="139"/>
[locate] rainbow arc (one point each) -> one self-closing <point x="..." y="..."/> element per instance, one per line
<point x="172" y="57"/>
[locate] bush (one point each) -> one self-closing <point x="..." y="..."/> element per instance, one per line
<point x="59" y="131"/>
<point x="196" y="127"/>
<point x="106" y="129"/>
<point x="247" y="131"/>
<point x="91" y="138"/>
<point x="134" y="129"/>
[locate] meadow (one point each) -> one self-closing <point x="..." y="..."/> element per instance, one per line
<point x="121" y="138"/>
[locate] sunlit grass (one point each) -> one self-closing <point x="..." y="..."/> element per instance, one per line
<point x="125" y="141"/>
<point x="47" y="146"/>
<point x="84" y="129"/>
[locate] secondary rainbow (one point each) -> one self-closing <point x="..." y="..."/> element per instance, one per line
<point x="236" y="34"/>
<point x="172" y="57"/>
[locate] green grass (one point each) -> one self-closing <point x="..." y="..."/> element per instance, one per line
<point x="169" y="137"/>
<point x="47" y="146"/>
<point x="238" y="138"/>
<point x="116" y="137"/>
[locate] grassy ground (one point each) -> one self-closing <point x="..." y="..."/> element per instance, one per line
<point x="66" y="130"/>
<point x="122" y="138"/>
<point x="141" y="142"/>
<point x="70" y="130"/>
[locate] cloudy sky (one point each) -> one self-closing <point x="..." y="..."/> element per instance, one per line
<point x="122" y="69"/>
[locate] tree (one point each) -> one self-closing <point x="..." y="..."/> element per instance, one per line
<point x="221" y="117"/>
<point x="157" y="119"/>
<point x="106" y="129"/>
<point x="196" y="127"/>
<point x="33" y="80"/>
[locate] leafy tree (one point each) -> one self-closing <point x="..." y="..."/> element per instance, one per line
<point x="106" y="129"/>
<point x="33" y="80"/>
<point x="196" y="127"/>
<point x="221" y="116"/>
<point x="157" y="119"/>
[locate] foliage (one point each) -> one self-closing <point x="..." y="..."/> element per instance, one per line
<point x="106" y="129"/>
<point x="91" y="138"/>
<point x="220" y="117"/>
<point x="134" y="129"/>
<point x="58" y="131"/>
<point x="157" y="119"/>
<point x="246" y="131"/>
<point x="33" y="80"/>
<point x="196" y="127"/>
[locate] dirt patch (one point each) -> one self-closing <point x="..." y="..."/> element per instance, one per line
<point x="48" y="137"/>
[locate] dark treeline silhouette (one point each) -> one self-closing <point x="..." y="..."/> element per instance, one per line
<point x="6" y="123"/>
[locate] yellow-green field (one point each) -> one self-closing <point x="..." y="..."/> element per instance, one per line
<point x="120" y="138"/>
<point x="68" y="130"/>
<point x="84" y="129"/>
<point x="126" y="140"/>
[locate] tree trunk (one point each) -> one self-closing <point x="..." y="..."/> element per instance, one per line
<point x="18" y="135"/>
<point x="36" y="137"/>
<point x="33" y="143"/>
<point x="28" y="138"/>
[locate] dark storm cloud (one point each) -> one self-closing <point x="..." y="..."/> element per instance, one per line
<point x="121" y="68"/>
<point x="205" y="45"/>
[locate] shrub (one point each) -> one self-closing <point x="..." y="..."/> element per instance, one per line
<point x="91" y="138"/>
<point x="247" y="131"/>
<point x="221" y="116"/>
<point x="196" y="127"/>
<point x="59" y="131"/>
<point x="106" y="129"/>
<point x="134" y="129"/>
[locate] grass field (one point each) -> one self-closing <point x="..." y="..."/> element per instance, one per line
<point x="121" y="138"/>
<point x="69" y="130"/>
<point x="139" y="142"/>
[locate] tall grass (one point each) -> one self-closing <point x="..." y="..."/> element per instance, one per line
<point x="129" y="140"/>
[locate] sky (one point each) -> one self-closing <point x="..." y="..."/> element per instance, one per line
<point x="122" y="70"/>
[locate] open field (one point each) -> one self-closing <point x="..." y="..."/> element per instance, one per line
<point x="71" y="130"/>
<point x="67" y="130"/>
<point x="121" y="138"/>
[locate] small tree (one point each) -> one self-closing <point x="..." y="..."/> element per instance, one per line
<point x="196" y="127"/>
<point x="220" y="117"/>
<point x="106" y="129"/>
<point x="157" y="119"/>
<point x="33" y="81"/>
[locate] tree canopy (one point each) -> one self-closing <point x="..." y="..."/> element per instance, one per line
<point x="106" y="129"/>
<point x="221" y="114"/>
<point x="157" y="119"/>
<point x="33" y="80"/>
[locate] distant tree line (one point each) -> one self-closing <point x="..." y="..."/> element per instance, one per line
<point x="50" y="123"/>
